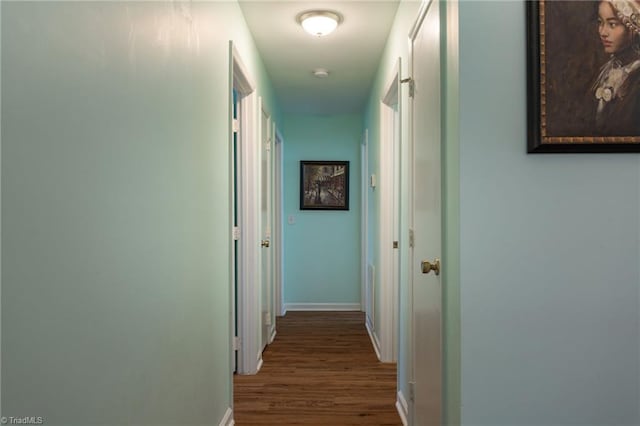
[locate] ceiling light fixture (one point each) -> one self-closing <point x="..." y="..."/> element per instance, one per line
<point x="321" y="73"/>
<point x="319" y="22"/>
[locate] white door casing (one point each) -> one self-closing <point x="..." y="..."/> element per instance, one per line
<point x="273" y="232"/>
<point x="277" y="227"/>
<point x="366" y="298"/>
<point x="247" y="261"/>
<point x="364" y="227"/>
<point x="426" y="216"/>
<point x="265" y="206"/>
<point x="389" y="215"/>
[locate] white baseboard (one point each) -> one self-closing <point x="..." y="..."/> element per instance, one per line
<point x="273" y="336"/>
<point x="403" y="408"/>
<point x="227" y="420"/>
<point x="322" y="307"/>
<point x="374" y="340"/>
<point x="260" y="362"/>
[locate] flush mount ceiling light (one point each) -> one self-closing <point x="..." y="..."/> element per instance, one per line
<point x="319" y="22"/>
<point x="321" y="73"/>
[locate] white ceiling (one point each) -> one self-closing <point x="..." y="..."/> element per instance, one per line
<point x="351" y="53"/>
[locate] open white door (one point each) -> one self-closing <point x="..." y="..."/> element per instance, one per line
<point x="366" y="290"/>
<point x="266" y="258"/>
<point x="426" y="217"/>
<point x="277" y="239"/>
<point x="389" y="217"/>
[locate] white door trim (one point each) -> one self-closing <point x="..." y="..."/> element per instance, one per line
<point x="227" y="420"/>
<point x="422" y="13"/>
<point x="389" y="215"/>
<point x="277" y="228"/>
<point x="364" y="223"/>
<point x="265" y="229"/>
<point x="248" y="206"/>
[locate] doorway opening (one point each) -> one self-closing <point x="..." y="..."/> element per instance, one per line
<point x="244" y="227"/>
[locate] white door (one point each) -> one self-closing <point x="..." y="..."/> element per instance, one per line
<point x="426" y="219"/>
<point x="366" y="291"/>
<point x="265" y="226"/>
<point x="389" y="193"/>
<point x="278" y="302"/>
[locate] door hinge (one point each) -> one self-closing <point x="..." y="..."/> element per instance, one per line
<point x="411" y="238"/>
<point x="235" y="125"/>
<point x="267" y="145"/>
<point x="236" y="343"/>
<point x="412" y="85"/>
<point x="412" y="391"/>
<point x="395" y="244"/>
<point x="235" y="233"/>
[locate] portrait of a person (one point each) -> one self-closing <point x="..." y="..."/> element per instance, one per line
<point x="616" y="89"/>
<point x="589" y="76"/>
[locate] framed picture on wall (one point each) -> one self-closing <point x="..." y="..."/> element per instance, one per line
<point x="324" y="185"/>
<point x="583" y="85"/>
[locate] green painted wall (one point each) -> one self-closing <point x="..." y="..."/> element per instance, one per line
<point x="322" y="248"/>
<point x="549" y="252"/>
<point x="115" y="210"/>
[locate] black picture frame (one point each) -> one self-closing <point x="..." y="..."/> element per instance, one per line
<point x="564" y="59"/>
<point x="324" y="185"/>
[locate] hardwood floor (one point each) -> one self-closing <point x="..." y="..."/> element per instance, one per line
<point x="320" y="370"/>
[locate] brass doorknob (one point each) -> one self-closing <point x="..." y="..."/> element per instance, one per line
<point x="428" y="266"/>
<point x="265" y="243"/>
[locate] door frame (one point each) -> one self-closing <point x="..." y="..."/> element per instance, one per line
<point x="266" y="320"/>
<point x="389" y="231"/>
<point x="278" y="240"/>
<point x="244" y="337"/>
<point x="364" y="232"/>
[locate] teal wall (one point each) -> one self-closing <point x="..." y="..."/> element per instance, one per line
<point x="549" y="252"/>
<point x="322" y="248"/>
<point x="115" y="209"/>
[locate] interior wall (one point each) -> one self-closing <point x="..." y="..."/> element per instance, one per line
<point x="115" y="209"/>
<point x="549" y="249"/>
<point x="321" y="248"/>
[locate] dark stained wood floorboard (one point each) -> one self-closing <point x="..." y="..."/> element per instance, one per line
<point x="320" y="370"/>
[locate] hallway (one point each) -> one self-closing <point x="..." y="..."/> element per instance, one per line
<point x="321" y="369"/>
<point x="123" y="275"/>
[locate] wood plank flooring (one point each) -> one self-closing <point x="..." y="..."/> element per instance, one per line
<point x="320" y="370"/>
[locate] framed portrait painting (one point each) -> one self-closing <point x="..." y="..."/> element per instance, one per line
<point x="583" y="85"/>
<point x="324" y="185"/>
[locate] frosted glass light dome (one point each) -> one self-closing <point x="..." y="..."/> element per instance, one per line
<point x="319" y="22"/>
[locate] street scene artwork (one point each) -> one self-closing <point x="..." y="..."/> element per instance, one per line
<point x="324" y="185"/>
